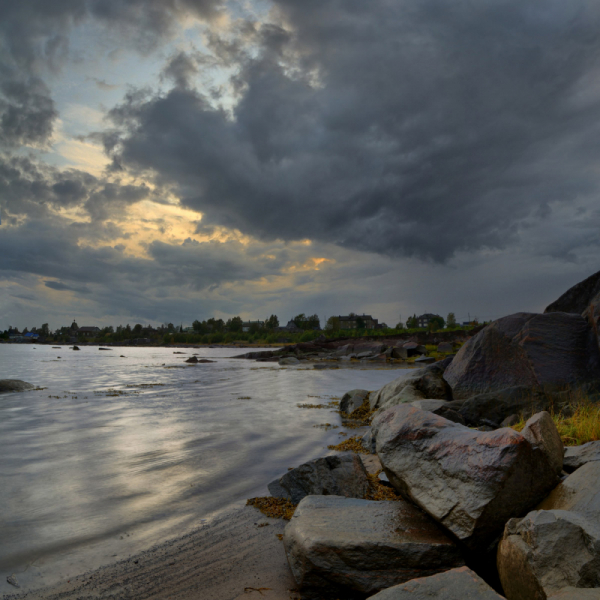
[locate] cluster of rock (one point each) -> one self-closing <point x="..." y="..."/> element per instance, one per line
<point x="516" y="507"/>
<point x="345" y="350"/>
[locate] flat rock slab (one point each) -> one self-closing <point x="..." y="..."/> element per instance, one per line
<point x="15" y="385"/>
<point x="338" y="475"/>
<point x="471" y="482"/>
<point x="577" y="456"/>
<point x="456" y="584"/>
<point x="340" y="545"/>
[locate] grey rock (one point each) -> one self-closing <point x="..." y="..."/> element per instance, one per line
<point x="510" y="421"/>
<point x="338" y="475"/>
<point x="341" y="546"/>
<point x="12" y="579"/>
<point x="399" y="353"/>
<point x="343" y="350"/>
<point x="193" y="359"/>
<point x="470" y="482"/>
<point x="577" y="456"/>
<point x="445" y="347"/>
<point x="541" y="431"/>
<point x="552" y="350"/>
<point x="14" y="385"/>
<point x="492" y="408"/>
<point x="571" y="593"/>
<point x="368" y="441"/>
<point x="455" y="584"/>
<point x="289" y="360"/>
<point x="557" y="545"/>
<point x="429" y="404"/>
<point x="424" y="360"/>
<point x="420" y="384"/>
<point x="75" y="348"/>
<point x="547" y="551"/>
<point x="578" y="298"/>
<point x="353" y="400"/>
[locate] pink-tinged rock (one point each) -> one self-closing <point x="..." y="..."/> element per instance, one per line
<point x="471" y="482"/>
<point x="541" y="431"/>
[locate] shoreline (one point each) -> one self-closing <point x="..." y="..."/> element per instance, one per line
<point x="228" y="559"/>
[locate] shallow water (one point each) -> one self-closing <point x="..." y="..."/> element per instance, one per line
<point x="117" y="454"/>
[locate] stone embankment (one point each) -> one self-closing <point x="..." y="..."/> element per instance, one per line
<point x="481" y="511"/>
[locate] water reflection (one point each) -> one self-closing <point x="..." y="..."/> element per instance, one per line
<point x="132" y="449"/>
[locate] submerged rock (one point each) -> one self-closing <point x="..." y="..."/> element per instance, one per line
<point x="469" y="481"/>
<point x="15" y="385"/>
<point x="338" y="475"/>
<point x="289" y="360"/>
<point x="341" y="546"/>
<point x="526" y="349"/>
<point x="455" y="584"/>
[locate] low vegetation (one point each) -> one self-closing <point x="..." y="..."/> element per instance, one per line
<point x="352" y="444"/>
<point x="276" y="508"/>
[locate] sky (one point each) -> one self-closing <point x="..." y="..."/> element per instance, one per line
<point x="172" y="160"/>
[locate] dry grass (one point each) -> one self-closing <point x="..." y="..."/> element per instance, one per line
<point x="276" y="508"/>
<point x="379" y="491"/>
<point x="579" y="425"/>
<point x="351" y="444"/>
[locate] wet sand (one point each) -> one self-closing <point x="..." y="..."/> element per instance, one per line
<point x="229" y="559"/>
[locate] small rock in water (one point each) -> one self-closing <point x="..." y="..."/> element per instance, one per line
<point x="12" y="579"/>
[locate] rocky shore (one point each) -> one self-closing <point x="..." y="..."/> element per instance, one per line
<point x="443" y="497"/>
<point x="482" y="511"/>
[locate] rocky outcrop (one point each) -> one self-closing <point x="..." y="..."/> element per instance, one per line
<point x="455" y="584"/>
<point x="577" y="456"/>
<point x="420" y="384"/>
<point x="471" y="482"/>
<point x="541" y="431"/>
<point x="493" y="407"/>
<point x="578" y="298"/>
<point x="338" y="475"/>
<point x="558" y="545"/>
<point x="342" y="546"/>
<point x="14" y="385"/>
<point x="353" y="400"/>
<point x="290" y="360"/>
<point x="536" y="351"/>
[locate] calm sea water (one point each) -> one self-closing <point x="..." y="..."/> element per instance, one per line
<point x="117" y="453"/>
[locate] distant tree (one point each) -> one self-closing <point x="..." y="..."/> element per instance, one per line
<point x="272" y="322"/>
<point x="198" y="326"/>
<point x="45" y="330"/>
<point x="412" y="322"/>
<point x="170" y="327"/>
<point x="313" y="322"/>
<point x="25" y="331"/>
<point x="436" y="323"/>
<point x="254" y="328"/>
<point x="360" y="323"/>
<point x="333" y="324"/>
<point x="450" y="320"/>
<point x="215" y="325"/>
<point x="137" y="329"/>
<point x="299" y="320"/>
<point x="108" y="330"/>
<point x="128" y="329"/>
<point x="399" y="325"/>
<point x="234" y="324"/>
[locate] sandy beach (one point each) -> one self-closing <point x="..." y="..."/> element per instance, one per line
<point x="237" y="556"/>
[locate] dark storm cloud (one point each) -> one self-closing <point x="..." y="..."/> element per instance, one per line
<point x="63" y="287"/>
<point x="409" y="128"/>
<point x="30" y="188"/>
<point x="34" y="38"/>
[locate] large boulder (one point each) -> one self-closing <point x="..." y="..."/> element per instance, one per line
<point x="420" y="384"/>
<point x="552" y="350"/>
<point x="558" y="545"/>
<point x="14" y="385"/>
<point x="338" y="475"/>
<point x="340" y="546"/>
<point x="577" y="456"/>
<point x="493" y="407"/>
<point x="541" y="431"/>
<point x="353" y="400"/>
<point x="471" y="482"/>
<point x="289" y="360"/>
<point x="455" y="584"/>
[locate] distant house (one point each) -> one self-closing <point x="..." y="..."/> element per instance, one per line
<point x="291" y="327"/>
<point x="31" y="336"/>
<point x="424" y="320"/>
<point x="357" y="322"/>
<point x="247" y="325"/>
<point x="88" y="332"/>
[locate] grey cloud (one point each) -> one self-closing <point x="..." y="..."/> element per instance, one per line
<point x="63" y="287"/>
<point x="102" y="85"/>
<point x="409" y="128"/>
